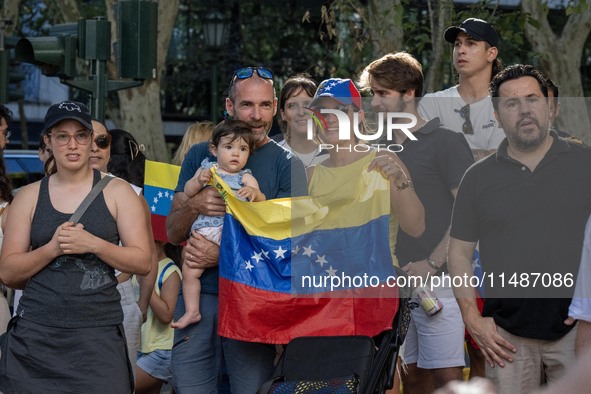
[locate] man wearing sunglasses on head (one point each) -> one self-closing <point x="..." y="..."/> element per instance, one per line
<point x="197" y="352"/>
<point x="466" y="108"/>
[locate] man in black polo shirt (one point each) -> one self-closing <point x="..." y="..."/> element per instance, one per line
<point x="527" y="206"/>
<point x="437" y="160"/>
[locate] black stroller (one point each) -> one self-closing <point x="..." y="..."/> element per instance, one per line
<point x="342" y="364"/>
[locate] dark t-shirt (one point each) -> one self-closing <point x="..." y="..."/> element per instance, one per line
<point x="527" y="222"/>
<point x="437" y="162"/>
<point x="278" y="172"/>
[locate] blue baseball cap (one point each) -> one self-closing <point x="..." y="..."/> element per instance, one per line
<point x="342" y="90"/>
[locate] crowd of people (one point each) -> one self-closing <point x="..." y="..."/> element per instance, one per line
<point x="481" y="177"/>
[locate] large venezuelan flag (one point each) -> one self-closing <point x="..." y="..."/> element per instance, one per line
<point x="278" y="259"/>
<point x="160" y="180"/>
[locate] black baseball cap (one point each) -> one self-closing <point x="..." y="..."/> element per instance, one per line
<point x="478" y="29"/>
<point x="67" y="110"/>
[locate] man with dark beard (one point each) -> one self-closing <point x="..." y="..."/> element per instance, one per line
<point x="526" y="206"/>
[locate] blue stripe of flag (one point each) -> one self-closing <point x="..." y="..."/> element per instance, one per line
<point x="278" y="265"/>
<point x="159" y="199"/>
<point x="354" y="252"/>
<point x="259" y="262"/>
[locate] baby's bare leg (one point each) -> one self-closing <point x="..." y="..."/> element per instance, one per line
<point x="191" y="296"/>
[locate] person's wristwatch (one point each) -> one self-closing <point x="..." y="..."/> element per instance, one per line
<point x="404" y="185"/>
<point x="432" y="264"/>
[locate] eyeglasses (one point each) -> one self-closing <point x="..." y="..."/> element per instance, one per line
<point x="247" y="72"/>
<point x="7" y="134"/>
<point x="465" y="114"/>
<point x="103" y="141"/>
<point x="82" y="137"/>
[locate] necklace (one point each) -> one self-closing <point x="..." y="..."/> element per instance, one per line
<point x="307" y="158"/>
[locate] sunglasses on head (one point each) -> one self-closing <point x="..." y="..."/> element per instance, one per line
<point x="465" y="114"/>
<point x="247" y="72"/>
<point x="103" y="141"/>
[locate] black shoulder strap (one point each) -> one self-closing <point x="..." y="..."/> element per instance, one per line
<point x="90" y="197"/>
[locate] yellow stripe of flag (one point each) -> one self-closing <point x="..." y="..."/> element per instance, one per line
<point x="161" y="175"/>
<point x="290" y="217"/>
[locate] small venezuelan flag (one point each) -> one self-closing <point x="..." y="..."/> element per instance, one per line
<point x="159" y="184"/>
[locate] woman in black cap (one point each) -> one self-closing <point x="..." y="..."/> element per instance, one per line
<point x="67" y="335"/>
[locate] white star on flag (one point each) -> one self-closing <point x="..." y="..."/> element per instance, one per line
<point x="331" y="271"/>
<point x="159" y="194"/>
<point x="166" y="194"/>
<point x="249" y="266"/>
<point x="308" y="251"/>
<point x="153" y="208"/>
<point x="266" y="254"/>
<point x="257" y="257"/>
<point x="321" y="260"/>
<point x="155" y="200"/>
<point x="295" y="250"/>
<point x="280" y="252"/>
<point x="475" y="264"/>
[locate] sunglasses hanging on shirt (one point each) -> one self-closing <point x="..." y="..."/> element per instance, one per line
<point x="465" y="114"/>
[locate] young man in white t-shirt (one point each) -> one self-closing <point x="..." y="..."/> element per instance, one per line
<point x="466" y="108"/>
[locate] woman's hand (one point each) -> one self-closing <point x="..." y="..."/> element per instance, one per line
<point x="73" y="239"/>
<point x="389" y="168"/>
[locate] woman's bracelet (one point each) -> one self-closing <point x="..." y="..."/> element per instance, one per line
<point x="404" y="185"/>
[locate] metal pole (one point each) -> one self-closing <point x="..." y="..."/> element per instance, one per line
<point x="214" y="94"/>
<point x="99" y="90"/>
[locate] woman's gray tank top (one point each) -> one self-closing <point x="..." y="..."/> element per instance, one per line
<point x="72" y="290"/>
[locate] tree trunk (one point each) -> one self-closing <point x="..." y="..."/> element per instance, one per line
<point x="67" y="10"/>
<point x="139" y="108"/>
<point x="385" y="19"/>
<point x="562" y="67"/>
<point x="10" y="11"/>
<point x="440" y="19"/>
